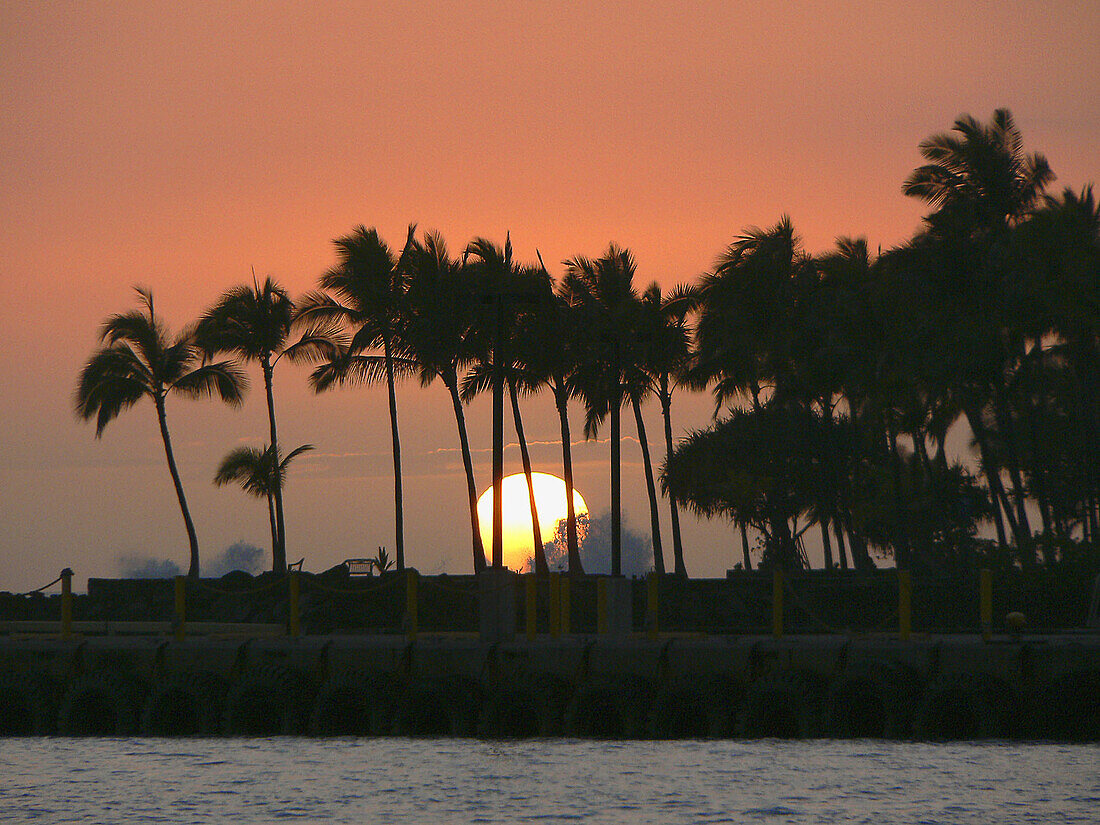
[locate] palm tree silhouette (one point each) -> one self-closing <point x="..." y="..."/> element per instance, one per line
<point x="493" y="268"/>
<point x="253" y="323"/>
<point x="255" y="470"/>
<point x="666" y="357"/>
<point x="982" y="185"/>
<point x="368" y="283"/>
<point x="138" y="361"/>
<point x="602" y="291"/>
<point x="435" y="336"/>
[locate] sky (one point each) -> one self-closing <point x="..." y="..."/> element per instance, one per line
<point x="181" y="146"/>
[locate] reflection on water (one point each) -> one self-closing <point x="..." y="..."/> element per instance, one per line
<point x="454" y="780"/>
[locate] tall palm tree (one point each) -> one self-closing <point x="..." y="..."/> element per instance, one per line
<point x="255" y="470"/>
<point x="253" y="323"/>
<point x="545" y="351"/>
<point x="603" y="292"/>
<point x="140" y="360"/>
<point x="435" y="336"/>
<point x="745" y="338"/>
<point x="366" y="295"/>
<point x="506" y="290"/>
<point x="982" y="185"/>
<point x="666" y="359"/>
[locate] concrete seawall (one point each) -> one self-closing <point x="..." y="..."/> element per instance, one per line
<point x="933" y="687"/>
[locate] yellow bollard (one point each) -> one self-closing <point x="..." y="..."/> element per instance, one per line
<point x="777" y="603"/>
<point x="985" y="602"/>
<point x="295" y="624"/>
<point x="555" y="605"/>
<point x="564" y="599"/>
<point x="180" y="618"/>
<point x="905" y="604"/>
<point x="411" y="583"/>
<point x="651" y="605"/>
<point x="601" y="606"/>
<point x="532" y="605"/>
<point x="66" y="603"/>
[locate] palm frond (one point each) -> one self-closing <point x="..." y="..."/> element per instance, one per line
<point x="112" y="381"/>
<point x="221" y="378"/>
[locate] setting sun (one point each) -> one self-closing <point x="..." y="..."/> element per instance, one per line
<point x="518" y="540"/>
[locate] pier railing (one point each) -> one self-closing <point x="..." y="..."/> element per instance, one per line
<point x="295" y="603"/>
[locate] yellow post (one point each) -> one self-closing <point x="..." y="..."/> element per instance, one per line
<point x="532" y="605"/>
<point x="985" y="602"/>
<point x="601" y="606"/>
<point x="411" y="583"/>
<point x="66" y="603"/>
<point x="905" y="604"/>
<point x="555" y="605"/>
<point x="564" y="598"/>
<point x="777" y="603"/>
<point x="651" y="605"/>
<point x="295" y="610"/>
<point x="179" y="625"/>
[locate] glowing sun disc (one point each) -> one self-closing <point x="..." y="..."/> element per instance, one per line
<point x="518" y="538"/>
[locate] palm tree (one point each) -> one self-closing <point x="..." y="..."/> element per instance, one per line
<point x="745" y="340"/>
<point x="545" y="350"/>
<point x="255" y="470"/>
<point x="504" y="289"/>
<point x="666" y="358"/>
<point x="253" y="323"/>
<point x="368" y="293"/>
<point x="138" y="361"/>
<point x="603" y="292"/>
<point x="982" y="185"/>
<point x="435" y="336"/>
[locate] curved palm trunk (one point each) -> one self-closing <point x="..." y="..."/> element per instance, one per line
<point x="193" y="569"/>
<point x="575" y="566"/>
<point x="278" y="543"/>
<point x="451" y="382"/>
<point x="541" y="567"/>
<point x="993" y="477"/>
<point x="398" y="512"/>
<point x="677" y="545"/>
<point x="651" y="488"/>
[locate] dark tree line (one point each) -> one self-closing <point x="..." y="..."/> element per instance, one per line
<point x="837" y="377"/>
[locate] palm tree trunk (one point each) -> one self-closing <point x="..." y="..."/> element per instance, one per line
<point x="278" y="547"/>
<point x="842" y="553"/>
<point x="451" y="381"/>
<point x="651" y="488"/>
<point x="274" y="522"/>
<point x="193" y="540"/>
<point x="992" y="475"/>
<point x="826" y="544"/>
<point x="677" y="545"/>
<point x="541" y="568"/>
<point x="902" y="550"/>
<point x="398" y="514"/>
<point x="616" y="493"/>
<point x="745" y="546"/>
<point x="561" y="400"/>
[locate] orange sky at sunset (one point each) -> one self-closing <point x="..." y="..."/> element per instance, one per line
<point x="178" y="146"/>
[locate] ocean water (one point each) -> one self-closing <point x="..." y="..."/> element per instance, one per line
<point x="275" y="780"/>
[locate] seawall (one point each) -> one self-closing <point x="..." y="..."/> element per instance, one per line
<point x="927" y="687"/>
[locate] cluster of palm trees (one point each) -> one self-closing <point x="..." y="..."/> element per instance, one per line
<point x="838" y="376"/>
<point x="854" y="369"/>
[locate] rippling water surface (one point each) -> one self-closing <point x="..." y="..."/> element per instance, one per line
<point x="249" y="781"/>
